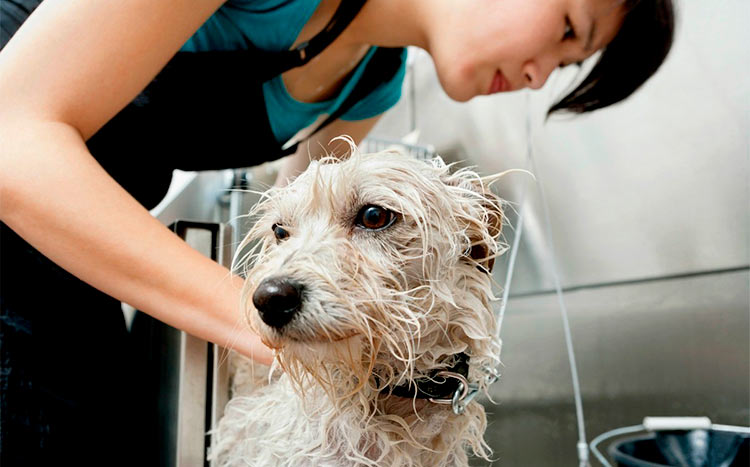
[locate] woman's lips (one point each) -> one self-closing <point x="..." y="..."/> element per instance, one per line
<point x="499" y="83"/>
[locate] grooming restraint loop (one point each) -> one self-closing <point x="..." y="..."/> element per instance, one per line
<point x="465" y="392"/>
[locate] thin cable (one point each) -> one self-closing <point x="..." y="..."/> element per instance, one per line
<point x="412" y="92"/>
<point x="604" y="436"/>
<point x="582" y="446"/>
<point x="519" y="225"/>
<point x="732" y="428"/>
<point x="511" y="268"/>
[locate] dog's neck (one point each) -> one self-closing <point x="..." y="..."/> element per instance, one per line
<point x="439" y="384"/>
<point x="412" y="428"/>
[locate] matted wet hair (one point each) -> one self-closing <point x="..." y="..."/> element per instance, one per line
<point x="635" y="54"/>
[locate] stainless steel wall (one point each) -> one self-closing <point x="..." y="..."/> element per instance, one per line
<point x="649" y="208"/>
<point x="667" y="347"/>
<point x="652" y="187"/>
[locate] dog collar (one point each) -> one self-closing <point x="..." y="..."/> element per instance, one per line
<point x="448" y="386"/>
<point x="441" y="383"/>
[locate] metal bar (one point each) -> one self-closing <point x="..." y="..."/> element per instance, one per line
<point x="645" y="280"/>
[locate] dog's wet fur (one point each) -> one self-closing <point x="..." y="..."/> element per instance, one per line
<point x="364" y="273"/>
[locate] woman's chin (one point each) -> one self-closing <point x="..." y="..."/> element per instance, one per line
<point x="456" y="92"/>
<point x="457" y="84"/>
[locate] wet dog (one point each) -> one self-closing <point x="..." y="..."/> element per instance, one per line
<point x="371" y="279"/>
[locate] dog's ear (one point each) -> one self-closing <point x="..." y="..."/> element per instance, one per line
<point x="481" y="212"/>
<point x="482" y="251"/>
<point x="484" y="218"/>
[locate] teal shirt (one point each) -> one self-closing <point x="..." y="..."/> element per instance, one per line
<point x="274" y="25"/>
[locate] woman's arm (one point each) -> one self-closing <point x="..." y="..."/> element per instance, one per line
<point x="72" y="66"/>
<point x="80" y="62"/>
<point x="319" y="144"/>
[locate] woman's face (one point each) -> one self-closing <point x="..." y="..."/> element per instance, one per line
<point x="486" y="46"/>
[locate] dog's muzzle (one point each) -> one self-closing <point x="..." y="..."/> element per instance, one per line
<point x="277" y="300"/>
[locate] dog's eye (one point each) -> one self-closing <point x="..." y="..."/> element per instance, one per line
<point x="279" y="232"/>
<point x="373" y="217"/>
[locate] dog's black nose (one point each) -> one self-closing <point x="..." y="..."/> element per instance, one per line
<point x="277" y="299"/>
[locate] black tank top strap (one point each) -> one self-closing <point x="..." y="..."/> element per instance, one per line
<point x="262" y="65"/>
<point x="384" y="64"/>
<point x="276" y="63"/>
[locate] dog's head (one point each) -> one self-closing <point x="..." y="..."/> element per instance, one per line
<point x="378" y="263"/>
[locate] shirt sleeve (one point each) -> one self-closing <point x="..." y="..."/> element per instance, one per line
<point x="382" y="98"/>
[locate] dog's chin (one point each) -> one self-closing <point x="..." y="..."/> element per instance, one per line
<point x="313" y="353"/>
<point x="283" y="339"/>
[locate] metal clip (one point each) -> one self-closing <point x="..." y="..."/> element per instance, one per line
<point x="491" y="375"/>
<point x="459" y="403"/>
<point x="461" y="390"/>
<point x="465" y="392"/>
<point x="302" y="51"/>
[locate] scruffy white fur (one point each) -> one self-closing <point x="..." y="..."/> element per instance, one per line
<point x="395" y="303"/>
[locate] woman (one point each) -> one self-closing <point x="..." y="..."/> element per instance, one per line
<point x="77" y="81"/>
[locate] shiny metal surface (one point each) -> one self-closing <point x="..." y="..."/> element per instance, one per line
<point x="192" y="400"/>
<point x="194" y="196"/>
<point x="184" y="379"/>
<point x="662" y="347"/>
<point x="219" y="363"/>
<point x="650" y="216"/>
<point x="654" y="187"/>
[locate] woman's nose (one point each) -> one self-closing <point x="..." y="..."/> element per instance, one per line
<point x="535" y="74"/>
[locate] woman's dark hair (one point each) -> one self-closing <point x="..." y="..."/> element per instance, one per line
<point x="636" y="52"/>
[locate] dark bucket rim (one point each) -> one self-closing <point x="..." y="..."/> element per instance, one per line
<point x="617" y="455"/>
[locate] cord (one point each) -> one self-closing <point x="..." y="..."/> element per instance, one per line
<point x="604" y="436"/>
<point x="582" y="445"/>
<point x="519" y="225"/>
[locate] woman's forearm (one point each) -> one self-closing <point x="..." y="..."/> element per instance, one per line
<point x="58" y="198"/>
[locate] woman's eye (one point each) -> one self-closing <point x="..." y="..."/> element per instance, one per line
<point x="279" y="232"/>
<point x="578" y="64"/>
<point x="569" y="33"/>
<point x="373" y="217"/>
